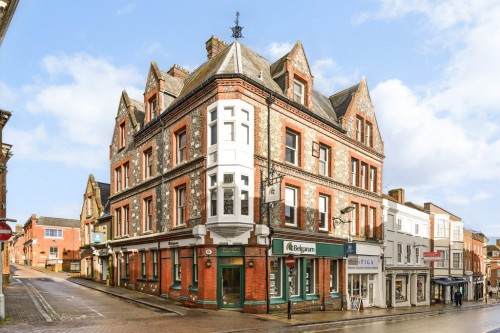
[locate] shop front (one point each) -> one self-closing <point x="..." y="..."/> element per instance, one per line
<point x="314" y="282"/>
<point x="231" y="273"/>
<point x="363" y="276"/>
<point x="407" y="287"/>
<point x="442" y="289"/>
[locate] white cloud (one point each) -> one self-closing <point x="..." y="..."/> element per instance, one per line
<point x="276" y="50"/>
<point x="127" y="9"/>
<point x="329" y="77"/>
<point x="79" y="101"/>
<point x="7" y="95"/>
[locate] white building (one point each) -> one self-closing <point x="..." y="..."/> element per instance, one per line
<point x="406" y="238"/>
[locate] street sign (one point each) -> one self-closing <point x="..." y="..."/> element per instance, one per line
<point x="290" y="261"/>
<point x="5" y="231"/>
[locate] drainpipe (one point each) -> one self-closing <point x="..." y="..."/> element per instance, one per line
<point x="161" y="199"/>
<point x="269" y="101"/>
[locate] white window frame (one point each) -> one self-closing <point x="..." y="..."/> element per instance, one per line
<point x="126" y="221"/>
<point x="229" y="131"/>
<point x="368" y="135"/>
<point x="213" y="127"/>
<point x="292" y="151"/>
<point x="311" y="280"/>
<point x="118" y="215"/>
<point x="323" y="203"/>
<point x="298" y="96"/>
<point x="364" y="167"/>
<point x="148" y="213"/>
<point x="291" y="202"/>
<point x="126" y="175"/>
<point x="359" y="124"/>
<point x="373" y="174"/>
<point x="53" y="253"/>
<point x="354" y="172"/>
<point x="408" y="254"/>
<point x="153" y="104"/>
<point x="181" y="139"/>
<point x="148" y="163"/>
<point x="181" y="197"/>
<point x="118" y="177"/>
<point x="50" y="231"/>
<point x="323" y="161"/>
<point x="399" y="251"/>
<point x="213" y="194"/>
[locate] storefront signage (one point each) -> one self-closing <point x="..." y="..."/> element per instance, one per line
<point x="230" y="251"/>
<point x="300" y="248"/>
<point x="349" y="248"/>
<point x="178" y="242"/>
<point x="97" y="237"/>
<point x="273" y="193"/>
<point x="363" y="262"/>
<point x="322" y="249"/>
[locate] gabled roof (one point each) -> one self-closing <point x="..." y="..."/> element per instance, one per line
<point x="342" y="100"/>
<point x="104" y="188"/>
<point x="58" y="222"/>
<point x="239" y="59"/>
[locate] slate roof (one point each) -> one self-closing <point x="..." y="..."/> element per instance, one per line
<point x="341" y="100"/>
<point x="58" y="222"/>
<point x="104" y="188"/>
<point x="172" y="85"/>
<point x="236" y="58"/>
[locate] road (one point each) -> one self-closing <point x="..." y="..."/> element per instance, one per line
<point x="39" y="302"/>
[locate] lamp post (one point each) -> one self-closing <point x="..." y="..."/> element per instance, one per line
<point x="338" y="220"/>
<point x="2" y="301"/>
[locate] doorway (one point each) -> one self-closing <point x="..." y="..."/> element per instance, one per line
<point x="231" y="287"/>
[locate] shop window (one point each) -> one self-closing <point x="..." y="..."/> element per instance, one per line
<point x="276" y="277"/>
<point x="357" y="285"/>
<point x="295" y="278"/>
<point x="311" y="286"/>
<point x="176" y="267"/>
<point x="334" y="276"/>
<point x="127" y="267"/>
<point x="400" y="288"/>
<point x="195" y="267"/>
<point x="420" y="288"/>
<point x="154" y="255"/>
<point x="291" y="206"/>
<point x="143" y="264"/>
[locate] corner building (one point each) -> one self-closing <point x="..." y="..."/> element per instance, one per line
<point x="187" y="164"/>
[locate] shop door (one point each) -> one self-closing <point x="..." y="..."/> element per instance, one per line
<point x="388" y="292"/>
<point x="231" y="287"/>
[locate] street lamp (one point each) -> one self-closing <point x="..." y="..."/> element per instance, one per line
<point x="339" y="220"/>
<point x="2" y="301"/>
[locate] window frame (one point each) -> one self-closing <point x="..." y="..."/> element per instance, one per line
<point x="51" y="230"/>
<point x="118" y="213"/>
<point x="176" y="267"/>
<point x="299" y="97"/>
<point x="148" y="213"/>
<point x="152" y="105"/>
<point x="154" y="263"/>
<point x="143" y="264"/>
<point x="52" y="252"/>
<point x="181" y="205"/>
<point x="148" y="163"/>
<point x="354" y="171"/>
<point x="294" y="208"/>
<point x="324" y="163"/>
<point x="294" y="151"/>
<point x="181" y="150"/>
<point x="324" y="212"/>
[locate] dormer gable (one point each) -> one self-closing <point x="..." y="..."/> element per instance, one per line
<point x="152" y="99"/>
<point x="128" y="121"/>
<point x="293" y="75"/>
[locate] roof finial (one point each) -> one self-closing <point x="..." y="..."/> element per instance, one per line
<point x="237" y="29"/>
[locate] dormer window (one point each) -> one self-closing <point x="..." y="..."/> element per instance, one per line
<point x="152" y="108"/>
<point x="298" y="92"/>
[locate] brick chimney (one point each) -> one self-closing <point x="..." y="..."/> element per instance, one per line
<point x="398" y="195"/>
<point x="178" y="72"/>
<point x="214" y="46"/>
<point x="19" y="228"/>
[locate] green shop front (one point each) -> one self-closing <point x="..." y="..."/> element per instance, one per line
<point x="316" y="279"/>
<point x="231" y="273"/>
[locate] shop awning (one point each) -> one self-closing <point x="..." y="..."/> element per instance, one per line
<point x="450" y="282"/>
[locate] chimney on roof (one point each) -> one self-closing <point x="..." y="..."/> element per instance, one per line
<point x="178" y="73"/>
<point x="214" y="46"/>
<point x="19" y="228"/>
<point x="398" y="195"/>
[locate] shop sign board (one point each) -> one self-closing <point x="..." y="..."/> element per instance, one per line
<point x="432" y="256"/>
<point x="300" y="248"/>
<point x="273" y="193"/>
<point x="363" y="262"/>
<point x="97" y="237"/>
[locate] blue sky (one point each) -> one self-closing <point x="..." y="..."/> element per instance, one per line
<point x="432" y="68"/>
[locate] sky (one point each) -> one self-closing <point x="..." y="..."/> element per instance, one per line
<point x="432" y="67"/>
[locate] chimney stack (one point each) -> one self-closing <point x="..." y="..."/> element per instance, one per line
<point x="178" y="73"/>
<point x="398" y="195"/>
<point x="214" y="46"/>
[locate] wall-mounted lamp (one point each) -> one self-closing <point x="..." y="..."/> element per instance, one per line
<point x="339" y="220"/>
<point x="250" y="263"/>
<point x="208" y="263"/>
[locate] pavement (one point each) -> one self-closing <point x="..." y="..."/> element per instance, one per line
<point x="274" y="319"/>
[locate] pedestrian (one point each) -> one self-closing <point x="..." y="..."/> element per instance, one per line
<point x="459" y="297"/>
<point x="455" y="296"/>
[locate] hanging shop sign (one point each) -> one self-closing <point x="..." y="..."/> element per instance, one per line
<point x="432" y="256"/>
<point x="273" y="193"/>
<point x="97" y="237"/>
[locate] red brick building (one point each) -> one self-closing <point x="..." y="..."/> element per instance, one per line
<point x="16" y="246"/>
<point x="51" y="241"/>
<point x="95" y="227"/>
<point x="474" y="263"/>
<point x="187" y="163"/>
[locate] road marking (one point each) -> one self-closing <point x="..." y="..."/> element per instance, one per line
<point x="41" y="304"/>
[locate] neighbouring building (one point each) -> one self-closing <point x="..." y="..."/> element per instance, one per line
<point x="95" y="229"/>
<point x="16" y="246"/>
<point x="51" y="242"/>
<point x="187" y="162"/>
<point x="492" y="267"/>
<point x="406" y="238"/>
<point x="474" y="264"/>
<point x="447" y="240"/>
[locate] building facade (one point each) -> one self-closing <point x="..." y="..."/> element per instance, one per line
<point x="474" y="264"/>
<point x="406" y="238"/>
<point x="51" y="242"/>
<point x="190" y="219"/>
<point x="447" y="238"/>
<point x="16" y="245"/>
<point x="95" y="230"/>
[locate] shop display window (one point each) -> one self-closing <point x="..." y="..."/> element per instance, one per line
<point x="420" y="288"/>
<point x="400" y="289"/>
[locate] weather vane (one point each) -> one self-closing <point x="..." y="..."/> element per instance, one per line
<point x="237" y="29"/>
